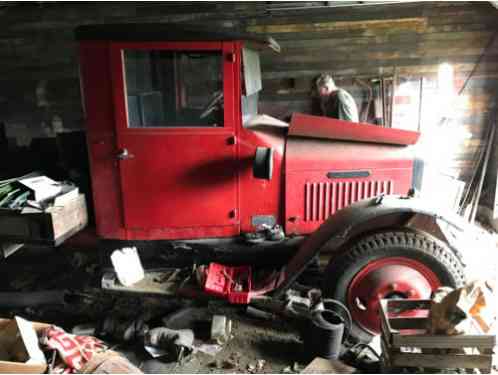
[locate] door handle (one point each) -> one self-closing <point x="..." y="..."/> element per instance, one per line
<point x="124" y="154"/>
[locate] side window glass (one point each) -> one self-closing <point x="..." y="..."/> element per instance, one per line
<point x="251" y="80"/>
<point x="173" y="88"/>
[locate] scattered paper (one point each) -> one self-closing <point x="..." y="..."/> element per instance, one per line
<point x="42" y="187"/>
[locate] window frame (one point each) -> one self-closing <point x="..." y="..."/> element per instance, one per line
<point x="119" y="84"/>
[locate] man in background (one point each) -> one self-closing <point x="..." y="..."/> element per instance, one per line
<point x="334" y="101"/>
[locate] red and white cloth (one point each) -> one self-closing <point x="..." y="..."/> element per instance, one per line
<point x="73" y="351"/>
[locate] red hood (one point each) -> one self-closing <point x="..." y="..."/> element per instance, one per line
<point x="327" y="128"/>
<point x="330" y="164"/>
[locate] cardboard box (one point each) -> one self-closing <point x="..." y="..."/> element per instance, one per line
<point x="41" y="187"/>
<point x="49" y="227"/>
<point x="19" y="349"/>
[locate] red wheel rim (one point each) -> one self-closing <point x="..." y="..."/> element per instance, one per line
<point x="393" y="277"/>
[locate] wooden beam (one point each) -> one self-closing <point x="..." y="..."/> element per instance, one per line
<point x="415" y="23"/>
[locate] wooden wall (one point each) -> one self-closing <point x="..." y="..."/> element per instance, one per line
<point x="39" y="89"/>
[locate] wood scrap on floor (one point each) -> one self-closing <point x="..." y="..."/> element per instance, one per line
<point x="327" y="366"/>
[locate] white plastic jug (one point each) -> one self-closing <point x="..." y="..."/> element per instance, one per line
<point x="127" y="265"/>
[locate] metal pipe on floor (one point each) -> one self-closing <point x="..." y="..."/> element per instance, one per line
<point x="32" y="299"/>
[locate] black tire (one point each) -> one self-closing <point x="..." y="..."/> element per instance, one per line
<point x="343" y="267"/>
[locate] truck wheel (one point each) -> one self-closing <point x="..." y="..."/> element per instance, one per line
<point x="395" y="264"/>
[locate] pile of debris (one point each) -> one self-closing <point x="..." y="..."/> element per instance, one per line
<point x="41" y="347"/>
<point x="34" y="209"/>
<point x="456" y="330"/>
<point x="35" y="192"/>
<point x="28" y="347"/>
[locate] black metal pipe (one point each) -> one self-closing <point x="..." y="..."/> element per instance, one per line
<point x="325" y="336"/>
<point x="32" y="299"/>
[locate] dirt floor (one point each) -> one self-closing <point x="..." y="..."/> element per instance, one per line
<point x="256" y="346"/>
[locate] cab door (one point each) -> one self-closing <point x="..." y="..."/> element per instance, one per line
<point x="175" y="128"/>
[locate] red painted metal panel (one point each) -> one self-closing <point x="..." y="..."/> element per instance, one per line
<point x="184" y="233"/>
<point x="312" y="198"/>
<point x="178" y="177"/>
<point x="194" y="208"/>
<point x="328" y="128"/>
<point x="179" y="181"/>
<point x="259" y="197"/>
<point x="101" y="138"/>
<point x="307" y="154"/>
<point x="324" y="176"/>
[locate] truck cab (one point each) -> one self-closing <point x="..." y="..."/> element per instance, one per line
<point x="178" y="149"/>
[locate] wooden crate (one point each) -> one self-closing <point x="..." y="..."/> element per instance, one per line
<point x="406" y="343"/>
<point x="50" y="227"/>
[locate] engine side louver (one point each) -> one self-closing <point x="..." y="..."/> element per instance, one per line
<point x="322" y="199"/>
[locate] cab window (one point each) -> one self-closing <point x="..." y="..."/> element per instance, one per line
<point x="173" y="88"/>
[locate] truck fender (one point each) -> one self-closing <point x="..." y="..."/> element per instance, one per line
<point x="372" y="215"/>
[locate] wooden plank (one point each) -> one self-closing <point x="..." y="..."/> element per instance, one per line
<point x="383" y="44"/>
<point x="387" y="350"/>
<point x="386" y="333"/>
<point x="463" y="19"/>
<point x="384" y="319"/>
<point x="440" y="361"/>
<point x="179" y="8"/>
<point x="33" y="72"/>
<point x="50" y="227"/>
<point x="8" y="248"/>
<point x="358" y="65"/>
<point x="457" y="28"/>
<point x="430" y="30"/>
<point x="408" y="323"/>
<point x="369" y="59"/>
<point x="327" y="366"/>
<point x="442" y="341"/>
<point x="394" y="305"/>
<point x="350" y="57"/>
<point x="292" y="46"/>
<point x="323" y="13"/>
<point x="410" y="70"/>
<point x="412" y="23"/>
<point x="335" y="14"/>
<point x="72" y="214"/>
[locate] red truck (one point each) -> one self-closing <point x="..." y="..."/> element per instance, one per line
<point x="178" y="151"/>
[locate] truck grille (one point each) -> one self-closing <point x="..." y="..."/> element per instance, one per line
<point x="322" y="199"/>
